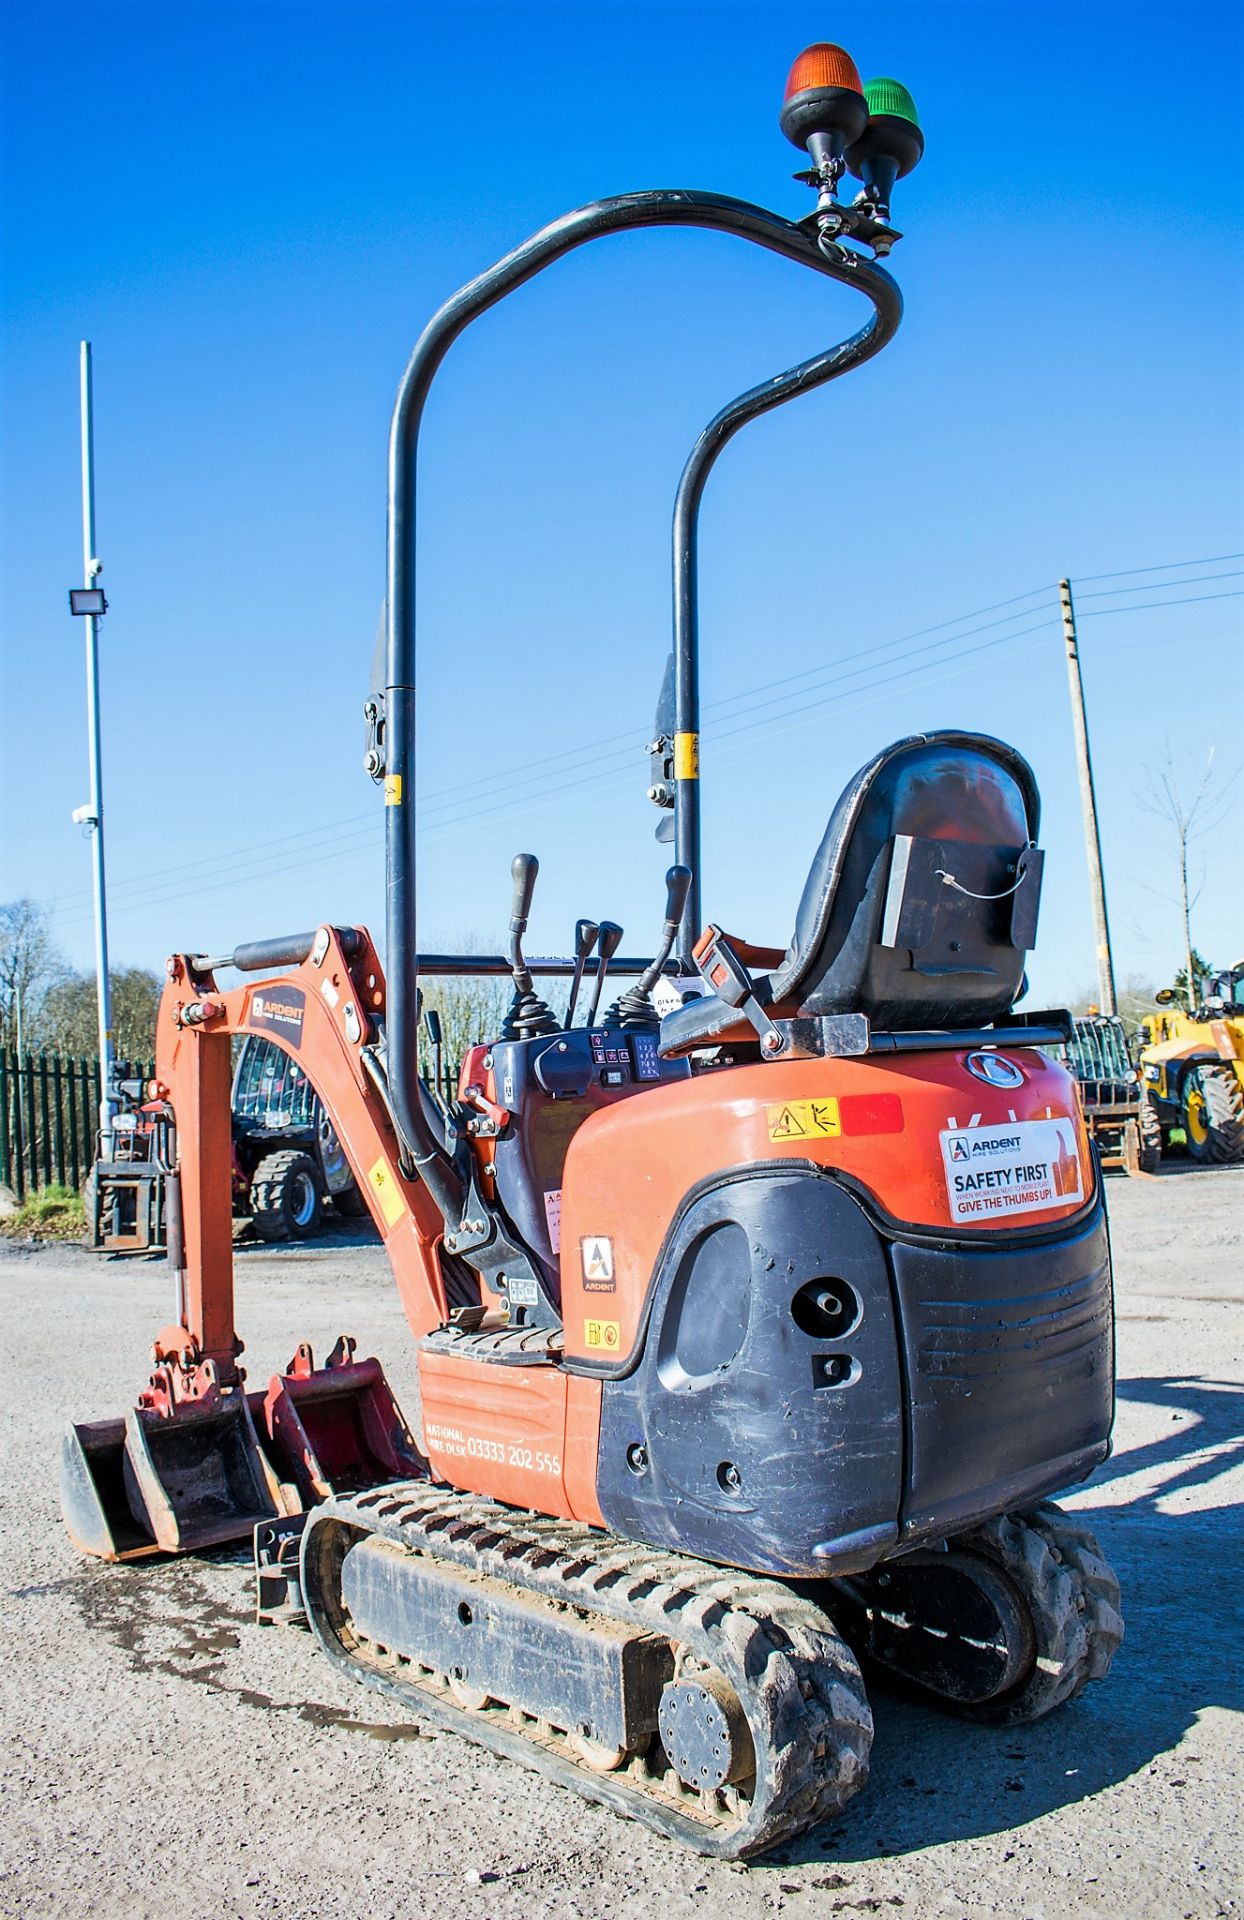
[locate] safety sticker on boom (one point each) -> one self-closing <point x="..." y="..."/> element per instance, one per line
<point x="384" y="1185"/>
<point x="1024" y="1166"/>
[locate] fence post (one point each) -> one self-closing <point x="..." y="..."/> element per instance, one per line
<point x="32" y="1128"/>
<point x="45" y="1118"/>
<point x="5" y="1170"/>
<point x="58" y="1113"/>
<point x="74" y="1157"/>
<point x="85" y="1123"/>
<point x="19" y="1172"/>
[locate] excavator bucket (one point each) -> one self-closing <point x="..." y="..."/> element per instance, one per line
<point x="200" y="1475"/>
<point x="94" y="1494"/>
<point x="337" y="1428"/>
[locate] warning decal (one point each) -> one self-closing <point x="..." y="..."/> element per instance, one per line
<point x="1025" y="1166"/>
<point x="553" y="1214"/>
<point x="596" y="1258"/>
<point x="384" y="1185"/>
<point x="602" y="1336"/>
<point x="805" y="1120"/>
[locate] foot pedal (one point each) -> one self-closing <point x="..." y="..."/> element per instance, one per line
<point x="337" y="1428"/>
<point x="278" y="1578"/>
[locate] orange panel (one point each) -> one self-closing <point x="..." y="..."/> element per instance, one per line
<point x="498" y="1430"/>
<point x="877" y="1120"/>
<point x="582" y="1447"/>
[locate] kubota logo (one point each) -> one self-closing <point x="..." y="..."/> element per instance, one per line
<point x="994" y="1069"/>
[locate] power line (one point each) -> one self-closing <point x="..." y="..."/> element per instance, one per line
<point x="1192" y="600"/>
<point x="1169" y="566"/>
<point x="587" y="752"/>
<point x="1198" y="579"/>
<point x="465" y="823"/>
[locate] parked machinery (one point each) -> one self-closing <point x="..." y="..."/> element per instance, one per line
<point x="1121" y="1123"/>
<point x="1193" y="1067"/>
<point x="287" y="1159"/>
<point x="746" y="1336"/>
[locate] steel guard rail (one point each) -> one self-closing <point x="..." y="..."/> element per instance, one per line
<point x="622" y="213"/>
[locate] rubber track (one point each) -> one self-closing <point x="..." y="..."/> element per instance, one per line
<point x="799" y="1683"/>
<point x="1073" y="1596"/>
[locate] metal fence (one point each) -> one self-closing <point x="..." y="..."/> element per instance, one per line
<point x="49" y="1113"/>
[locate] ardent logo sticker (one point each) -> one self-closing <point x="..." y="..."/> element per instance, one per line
<point x="280" y="1011"/>
<point x="596" y="1259"/>
<point x="995" y="1070"/>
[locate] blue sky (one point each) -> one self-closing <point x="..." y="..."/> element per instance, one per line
<point x="252" y="209"/>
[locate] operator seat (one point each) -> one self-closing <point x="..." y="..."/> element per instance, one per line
<point x="920" y="905"/>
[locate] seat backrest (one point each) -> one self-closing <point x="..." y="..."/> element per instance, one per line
<point x="921" y="901"/>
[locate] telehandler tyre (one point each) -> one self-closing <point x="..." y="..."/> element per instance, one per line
<point x="1149" y="1158"/>
<point x="286" y="1203"/>
<point x="351" y="1205"/>
<point x="1213" y="1105"/>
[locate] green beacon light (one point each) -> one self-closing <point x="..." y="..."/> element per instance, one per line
<point x="890" y="145"/>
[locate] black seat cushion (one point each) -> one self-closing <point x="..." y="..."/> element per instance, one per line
<point x="879" y="930"/>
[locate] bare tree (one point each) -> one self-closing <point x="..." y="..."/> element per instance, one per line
<point x="1189" y="817"/>
<point x="31" y="964"/>
<point x="69" y="1019"/>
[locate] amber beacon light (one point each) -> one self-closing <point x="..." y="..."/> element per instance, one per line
<point x="824" y="108"/>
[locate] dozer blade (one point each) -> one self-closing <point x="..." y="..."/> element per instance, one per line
<point x="200" y="1475"/>
<point x="337" y="1428"/>
<point x="94" y="1497"/>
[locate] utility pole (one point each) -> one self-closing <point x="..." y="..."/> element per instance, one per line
<point x="92" y="815"/>
<point x="1088" y="803"/>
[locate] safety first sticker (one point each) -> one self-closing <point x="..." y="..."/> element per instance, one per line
<point x="602" y="1336"/>
<point x="805" y="1120"/>
<point x="1026" y="1166"/>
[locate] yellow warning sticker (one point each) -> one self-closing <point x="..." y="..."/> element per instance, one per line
<point x="686" y="756"/>
<point x="384" y="1186"/>
<point x="805" y="1120"/>
<point x="602" y="1336"/>
<point x="392" y="789"/>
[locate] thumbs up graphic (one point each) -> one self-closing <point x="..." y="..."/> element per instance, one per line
<point x="1066" y="1170"/>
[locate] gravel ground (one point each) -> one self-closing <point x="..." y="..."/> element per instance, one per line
<point x="162" y="1752"/>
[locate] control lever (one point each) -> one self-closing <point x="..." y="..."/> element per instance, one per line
<point x="677" y="887"/>
<point x="432" y="1027"/>
<point x="585" y="932"/>
<point x="528" y="1017"/>
<point x="523" y="870"/>
<point x="610" y="940"/>
<point x="634" y="1009"/>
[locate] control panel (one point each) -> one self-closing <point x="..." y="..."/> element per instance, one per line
<point x="550" y="1085"/>
<point x="609" y="1058"/>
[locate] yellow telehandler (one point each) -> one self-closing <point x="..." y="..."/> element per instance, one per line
<point x="1192" y="1061"/>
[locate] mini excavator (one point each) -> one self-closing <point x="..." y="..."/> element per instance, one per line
<point x="752" y="1338"/>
